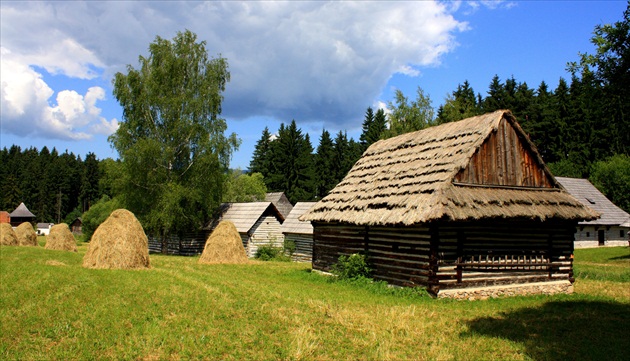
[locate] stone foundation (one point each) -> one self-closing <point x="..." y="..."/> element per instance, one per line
<point x="482" y="293"/>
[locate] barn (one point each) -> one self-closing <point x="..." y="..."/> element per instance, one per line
<point x="258" y="223"/>
<point x="465" y="209"/>
<point x="20" y="215"/>
<point x="298" y="233"/>
<point x="611" y="229"/>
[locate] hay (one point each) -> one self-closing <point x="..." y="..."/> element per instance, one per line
<point x="26" y="235"/>
<point x="7" y="235"/>
<point x="60" y="238"/>
<point x="224" y="245"/>
<point x="118" y="243"/>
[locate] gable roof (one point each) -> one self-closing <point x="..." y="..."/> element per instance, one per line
<point x="415" y="178"/>
<point x="587" y="194"/>
<point x="293" y="225"/>
<point x="245" y="215"/>
<point x="22" y="211"/>
<point x="280" y="200"/>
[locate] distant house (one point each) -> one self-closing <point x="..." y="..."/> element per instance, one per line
<point x="43" y="229"/>
<point x="280" y="200"/>
<point x="299" y="233"/>
<point x="5" y="217"/>
<point x="20" y="215"/>
<point x="258" y="223"/>
<point x="76" y="226"/>
<point x="611" y="229"/>
<point x="465" y="209"/>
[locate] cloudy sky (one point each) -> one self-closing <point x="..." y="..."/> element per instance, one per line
<point x="320" y="63"/>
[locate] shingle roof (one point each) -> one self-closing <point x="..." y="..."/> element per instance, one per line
<point x="22" y="211"/>
<point x="293" y="225"/>
<point x="587" y="194"/>
<point x="280" y="200"/>
<point x="410" y="179"/>
<point x="245" y="215"/>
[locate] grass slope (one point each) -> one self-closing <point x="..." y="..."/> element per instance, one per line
<point x="52" y="308"/>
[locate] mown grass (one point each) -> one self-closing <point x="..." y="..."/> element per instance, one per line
<point x="51" y="308"/>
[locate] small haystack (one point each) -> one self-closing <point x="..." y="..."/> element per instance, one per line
<point x="118" y="243"/>
<point x="224" y="245"/>
<point x="60" y="238"/>
<point x="26" y="234"/>
<point x="7" y="235"/>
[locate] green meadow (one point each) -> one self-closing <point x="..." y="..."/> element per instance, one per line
<point x="51" y="308"/>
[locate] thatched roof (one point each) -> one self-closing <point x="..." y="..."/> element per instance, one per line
<point x="244" y="215"/>
<point x="293" y="225"/>
<point x="280" y="200"/>
<point x="411" y="179"/>
<point x="22" y="212"/>
<point x="591" y="197"/>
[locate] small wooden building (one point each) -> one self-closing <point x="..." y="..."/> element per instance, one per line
<point x="76" y="226"/>
<point x="20" y="215"/>
<point x="299" y="233"/>
<point x="258" y="223"/>
<point x="611" y="229"/>
<point x="280" y="200"/>
<point x="455" y="208"/>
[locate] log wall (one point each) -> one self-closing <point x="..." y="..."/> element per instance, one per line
<point x="303" y="246"/>
<point x="189" y="244"/>
<point x="453" y="255"/>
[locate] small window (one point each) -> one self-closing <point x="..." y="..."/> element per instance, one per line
<point x="621" y="233"/>
<point x="588" y="234"/>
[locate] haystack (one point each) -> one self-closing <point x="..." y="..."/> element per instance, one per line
<point x="224" y="245"/>
<point x="26" y="234"/>
<point x="7" y="235"/>
<point x="118" y="243"/>
<point x="60" y="238"/>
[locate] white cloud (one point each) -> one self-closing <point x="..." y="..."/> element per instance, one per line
<point x="309" y="61"/>
<point x="26" y="110"/>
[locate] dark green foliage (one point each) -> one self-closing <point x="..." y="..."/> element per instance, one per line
<point x="354" y="266"/>
<point x="241" y="187"/>
<point x="172" y="145"/>
<point x="374" y="125"/>
<point x="612" y="178"/>
<point x="261" y="159"/>
<point x="325" y="179"/>
<point x="461" y="104"/>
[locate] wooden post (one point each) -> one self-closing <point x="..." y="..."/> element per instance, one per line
<point x="549" y="253"/>
<point x="460" y="256"/>
<point x="434" y="282"/>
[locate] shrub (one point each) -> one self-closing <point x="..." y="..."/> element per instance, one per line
<point x="353" y="266"/>
<point x="270" y="252"/>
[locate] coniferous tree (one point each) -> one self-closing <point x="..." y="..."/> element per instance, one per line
<point x="260" y="162"/>
<point x="89" y="182"/>
<point x="325" y="179"/>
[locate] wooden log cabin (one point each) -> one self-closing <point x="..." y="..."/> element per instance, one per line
<point x="461" y="208"/>
<point x="299" y="233"/>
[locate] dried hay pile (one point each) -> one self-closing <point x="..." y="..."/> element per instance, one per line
<point x="224" y="245"/>
<point x="26" y="235"/>
<point x="7" y="235"/>
<point x="118" y="243"/>
<point x="60" y="238"/>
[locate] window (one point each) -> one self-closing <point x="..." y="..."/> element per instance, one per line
<point x="588" y="234"/>
<point x="621" y="233"/>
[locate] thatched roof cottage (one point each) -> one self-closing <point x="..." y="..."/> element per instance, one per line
<point x="611" y="229"/>
<point x="455" y="208"/>
<point x="300" y="233"/>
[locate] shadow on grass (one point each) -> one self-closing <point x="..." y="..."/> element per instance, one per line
<point x="569" y="330"/>
<point x="627" y="256"/>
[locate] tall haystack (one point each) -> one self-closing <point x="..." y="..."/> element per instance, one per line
<point x="26" y="234"/>
<point x="60" y="238"/>
<point x="7" y="235"/>
<point x="224" y="245"/>
<point x="118" y="243"/>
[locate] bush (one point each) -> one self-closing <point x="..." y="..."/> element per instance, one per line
<point x="271" y="253"/>
<point x="353" y="266"/>
<point x="96" y="215"/>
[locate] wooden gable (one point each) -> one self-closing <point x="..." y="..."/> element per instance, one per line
<point x="505" y="159"/>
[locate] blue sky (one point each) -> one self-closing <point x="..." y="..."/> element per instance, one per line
<point x="320" y="63"/>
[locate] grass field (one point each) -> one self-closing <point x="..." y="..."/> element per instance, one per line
<point x="52" y="308"/>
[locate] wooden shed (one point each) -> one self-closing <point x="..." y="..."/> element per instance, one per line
<point x="611" y="229"/>
<point x="20" y="215"/>
<point x="5" y="217"/>
<point x="300" y="233"/>
<point x="465" y="209"/>
<point x="258" y="223"/>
